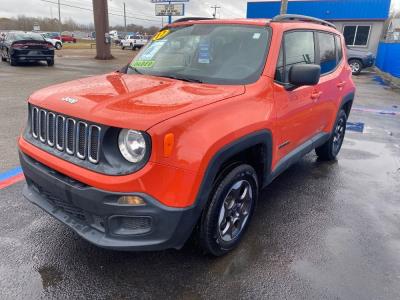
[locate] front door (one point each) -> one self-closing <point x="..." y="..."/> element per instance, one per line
<point x="296" y="118"/>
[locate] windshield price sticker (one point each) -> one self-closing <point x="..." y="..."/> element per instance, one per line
<point x="143" y="63"/>
<point x="162" y="34"/>
<point x="153" y="48"/>
<point x="256" y="35"/>
<point x="204" y="52"/>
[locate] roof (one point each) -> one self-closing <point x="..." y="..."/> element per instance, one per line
<point x="324" y="9"/>
<point x="257" y="22"/>
<point x="285" y="24"/>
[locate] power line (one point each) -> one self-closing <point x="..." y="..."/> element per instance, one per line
<point x="114" y="10"/>
<point x="89" y="9"/>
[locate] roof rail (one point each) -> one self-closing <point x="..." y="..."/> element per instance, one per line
<point x="192" y="19"/>
<point x="290" y="17"/>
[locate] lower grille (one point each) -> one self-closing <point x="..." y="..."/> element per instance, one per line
<point x="65" y="205"/>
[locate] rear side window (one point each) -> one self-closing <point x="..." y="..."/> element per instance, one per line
<point x="298" y="48"/>
<point x="339" y="48"/>
<point x="327" y="52"/>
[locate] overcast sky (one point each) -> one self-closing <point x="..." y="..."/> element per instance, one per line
<point x="138" y="11"/>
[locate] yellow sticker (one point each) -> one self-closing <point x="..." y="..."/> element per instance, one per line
<point x="161" y="34"/>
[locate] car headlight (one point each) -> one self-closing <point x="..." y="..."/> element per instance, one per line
<point x="132" y="145"/>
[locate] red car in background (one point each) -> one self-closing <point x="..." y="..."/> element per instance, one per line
<point x="64" y="37"/>
<point x="68" y="39"/>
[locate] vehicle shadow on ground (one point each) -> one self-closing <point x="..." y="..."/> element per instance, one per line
<point x="282" y="215"/>
<point x="30" y="64"/>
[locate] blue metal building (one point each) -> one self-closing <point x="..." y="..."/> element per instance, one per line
<point x="361" y="21"/>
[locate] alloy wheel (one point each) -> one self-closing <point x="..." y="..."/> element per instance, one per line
<point x="235" y="210"/>
<point x="338" y="135"/>
<point x="355" y="67"/>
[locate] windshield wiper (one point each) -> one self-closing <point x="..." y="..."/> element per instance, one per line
<point x="182" y="78"/>
<point x="135" y="69"/>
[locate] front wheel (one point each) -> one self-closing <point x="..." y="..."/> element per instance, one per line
<point x="58" y="46"/>
<point x="229" y="211"/>
<point x="331" y="148"/>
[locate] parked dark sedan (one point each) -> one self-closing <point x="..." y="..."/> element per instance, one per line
<point x="26" y="46"/>
<point x="359" y="59"/>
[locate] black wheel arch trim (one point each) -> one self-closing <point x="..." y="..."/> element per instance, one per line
<point x="349" y="98"/>
<point x="262" y="137"/>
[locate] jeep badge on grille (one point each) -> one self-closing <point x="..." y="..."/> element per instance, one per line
<point x="69" y="100"/>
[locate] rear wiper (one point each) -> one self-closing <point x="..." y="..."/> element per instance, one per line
<point x="187" y="79"/>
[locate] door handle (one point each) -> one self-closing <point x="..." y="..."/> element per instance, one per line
<point x="341" y="84"/>
<point x="316" y="95"/>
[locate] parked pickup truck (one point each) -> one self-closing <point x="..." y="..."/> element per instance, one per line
<point x="133" y="42"/>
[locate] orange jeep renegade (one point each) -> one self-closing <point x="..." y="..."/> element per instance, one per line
<point x="183" y="139"/>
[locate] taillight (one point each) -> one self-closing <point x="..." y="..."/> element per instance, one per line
<point x="17" y="46"/>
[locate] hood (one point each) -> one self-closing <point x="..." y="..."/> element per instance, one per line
<point x="358" y="52"/>
<point x="129" y="101"/>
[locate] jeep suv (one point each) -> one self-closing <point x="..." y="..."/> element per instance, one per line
<point x="181" y="141"/>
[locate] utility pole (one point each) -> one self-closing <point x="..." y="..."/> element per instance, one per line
<point x="215" y="10"/>
<point x="103" y="42"/>
<point x="59" y="18"/>
<point x="125" y="17"/>
<point x="284" y="5"/>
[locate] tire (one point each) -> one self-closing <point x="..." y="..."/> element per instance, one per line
<point x="356" y="66"/>
<point x="227" y="215"/>
<point x="331" y="148"/>
<point x="123" y="48"/>
<point x="50" y="62"/>
<point x="13" y="62"/>
<point x="3" y="58"/>
<point x="58" y="46"/>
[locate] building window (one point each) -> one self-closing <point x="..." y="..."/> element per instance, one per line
<point x="356" y="35"/>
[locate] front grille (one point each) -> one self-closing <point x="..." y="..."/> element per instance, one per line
<point x="76" y="138"/>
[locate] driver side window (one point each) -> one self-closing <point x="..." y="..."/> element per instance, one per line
<point x="297" y="48"/>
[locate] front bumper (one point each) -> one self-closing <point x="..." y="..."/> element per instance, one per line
<point x="368" y="62"/>
<point x="97" y="217"/>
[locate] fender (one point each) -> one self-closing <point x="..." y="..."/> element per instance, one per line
<point x="262" y="137"/>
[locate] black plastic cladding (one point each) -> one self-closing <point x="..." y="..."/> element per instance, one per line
<point x="111" y="161"/>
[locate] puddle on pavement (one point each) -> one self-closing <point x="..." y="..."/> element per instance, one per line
<point x="357" y="126"/>
<point x="50" y="276"/>
<point x="380" y="81"/>
<point x="384" y="111"/>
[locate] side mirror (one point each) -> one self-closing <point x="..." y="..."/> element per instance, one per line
<point x="304" y="74"/>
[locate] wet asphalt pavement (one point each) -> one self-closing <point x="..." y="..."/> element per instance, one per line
<point x="321" y="230"/>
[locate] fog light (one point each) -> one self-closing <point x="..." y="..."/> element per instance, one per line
<point x="131" y="200"/>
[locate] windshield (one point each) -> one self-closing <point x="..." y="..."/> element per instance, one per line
<point x="217" y="54"/>
<point x="28" y="36"/>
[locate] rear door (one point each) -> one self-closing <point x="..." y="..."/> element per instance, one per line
<point x="295" y="115"/>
